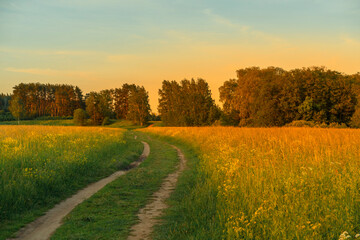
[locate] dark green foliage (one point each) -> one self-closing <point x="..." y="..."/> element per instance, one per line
<point x="121" y="100"/>
<point x="80" y="117"/>
<point x="4" y="102"/>
<point x="98" y="106"/>
<point x="6" y="116"/>
<point x="275" y="97"/>
<point x="130" y="102"/>
<point x="154" y="117"/>
<point x="187" y="104"/>
<point x="48" y="99"/>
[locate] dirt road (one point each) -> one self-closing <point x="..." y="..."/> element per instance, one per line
<point x="149" y="214"/>
<point x="45" y="226"/>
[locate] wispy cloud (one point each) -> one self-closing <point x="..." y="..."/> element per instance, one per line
<point x="240" y="28"/>
<point x="225" y="22"/>
<point x="47" y="52"/>
<point x="50" y="72"/>
<point x="121" y="57"/>
<point x="350" y="41"/>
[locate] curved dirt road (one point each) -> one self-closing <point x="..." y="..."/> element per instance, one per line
<point x="149" y="215"/>
<point x="45" y="226"/>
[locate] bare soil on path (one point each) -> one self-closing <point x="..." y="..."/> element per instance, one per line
<point x="45" y="226"/>
<point x="149" y="215"/>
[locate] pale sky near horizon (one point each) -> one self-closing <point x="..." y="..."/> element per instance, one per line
<point x="102" y="44"/>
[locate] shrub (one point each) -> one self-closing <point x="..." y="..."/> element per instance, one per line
<point x="106" y="121"/>
<point x="322" y="125"/>
<point x="6" y="116"/>
<point x="337" y="125"/>
<point x="300" y="123"/>
<point x="80" y="117"/>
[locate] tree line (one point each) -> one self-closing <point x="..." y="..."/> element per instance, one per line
<point x="257" y="97"/>
<point x="130" y="102"/>
<point x="34" y="100"/>
<point x="48" y="99"/>
<point x="275" y="97"/>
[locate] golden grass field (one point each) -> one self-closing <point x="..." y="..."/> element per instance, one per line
<point x="276" y="183"/>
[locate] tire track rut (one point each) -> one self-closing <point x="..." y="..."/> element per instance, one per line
<point x="45" y="226"/>
<point x="149" y="215"/>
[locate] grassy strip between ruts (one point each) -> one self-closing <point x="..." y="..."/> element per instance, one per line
<point x="183" y="220"/>
<point x="112" y="157"/>
<point x="111" y="212"/>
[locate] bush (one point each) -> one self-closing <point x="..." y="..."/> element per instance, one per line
<point x="106" y="121"/>
<point x="337" y="125"/>
<point x="6" y="116"/>
<point x="322" y="125"/>
<point x="217" y="123"/>
<point x="300" y="123"/>
<point x="80" y="117"/>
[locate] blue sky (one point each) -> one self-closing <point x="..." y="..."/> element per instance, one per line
<point x="103" y="44"/>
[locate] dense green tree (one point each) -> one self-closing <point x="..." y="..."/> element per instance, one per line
<point x="187" y="104"/>
<point x="121" y="99"/>
<point x="274" y="97"/>
<point x="98" y="106"/>
<point x="138" y="106"/>
<point x="130" y="102"/>
<point x="171" y="104"/>
<point x="49" y="99"/>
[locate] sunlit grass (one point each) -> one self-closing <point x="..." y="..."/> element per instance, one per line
<point x="40" y="164"/>
<point x="272" y="183"/>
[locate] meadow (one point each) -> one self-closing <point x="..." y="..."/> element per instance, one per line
<point x="40" y="165"/>
<point x="265" y="183"/>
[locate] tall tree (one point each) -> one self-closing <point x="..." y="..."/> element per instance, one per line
<point x="121" y="100"/>
<point x="98" y="107"/>
<point x="138" y="106"/>
<point x="187" y="104"/>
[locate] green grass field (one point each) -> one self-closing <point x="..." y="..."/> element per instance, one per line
<point x="111" y="212"/>
<point x="41" y="165"/>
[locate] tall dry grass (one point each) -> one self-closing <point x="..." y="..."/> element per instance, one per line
<point x="274" y="183"/>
